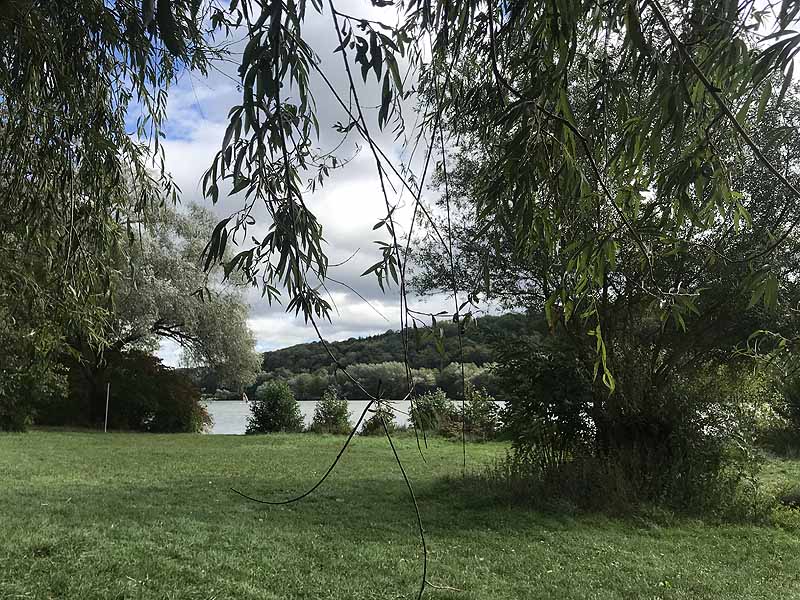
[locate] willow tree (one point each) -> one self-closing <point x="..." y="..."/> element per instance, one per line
<point x="664" y="86"/>
<point x="73" y="77"/>
<point x="611" y="115"/>
<point x="153" y="296"/>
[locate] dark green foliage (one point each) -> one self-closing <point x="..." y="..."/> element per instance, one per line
<point x="76" y="162"/>
<point x="274" y="408"/>
<point x="374" y="426"/>
<point x="790" y="407"/>
<point x="592" y="484"/>
<point x="387" y="378"/>
<point x="780" y="431"/>
<point x="331" y="414"/>
<point x="790" y="496"/>
<point x="388" y="347"/>
<point x="548" y="397"/>
<point x="16" y="414"/>
<point x="144" y="396"/>
<point x="451" y="379"/>
<point x="683" y="445"/>
<point x="780" y="440"/>
<point x="433" y="412"/>
<point x="478" y="417"/>
<point x="310" y="386"/>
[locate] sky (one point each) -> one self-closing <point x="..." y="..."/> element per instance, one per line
<point x="348" y="205"/>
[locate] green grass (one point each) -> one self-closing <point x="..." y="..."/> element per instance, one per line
<point x="93" y="516"/>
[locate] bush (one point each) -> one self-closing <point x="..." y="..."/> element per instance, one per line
<point x="781" y="439"/>
<point x="16" y="413"/>
<point x="29" y="372"/>
<point x="686" y="445"/>
<point x="373" y="425"/>
<point x="779" y="432"/>
<point x="548" y="394"/>
<point x="147" y="396"/>
<point x="274" y="409"/>
<point x="481" y="419"/>
<point x="596" y="484"/>
<point x="433" y="412"/>
<point x="178" y="408"/>
<point x="331" y="414"/>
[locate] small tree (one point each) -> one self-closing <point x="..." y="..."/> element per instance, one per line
<point x="433" y="411"/>
<point x="331" y="414"/>
<point x="373" y="425"/>
<point x="273" y="409"/>
<point x="482" y="419"/>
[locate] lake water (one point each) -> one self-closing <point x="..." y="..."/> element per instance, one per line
<point x="230" y="417"/>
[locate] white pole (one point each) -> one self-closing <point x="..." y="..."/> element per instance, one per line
<point x="108" y="391"/>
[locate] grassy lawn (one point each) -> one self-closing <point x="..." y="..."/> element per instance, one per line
<point x="92" y="516"/>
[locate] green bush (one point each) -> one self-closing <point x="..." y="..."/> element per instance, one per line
<point x="686" y="445"/>
<point x="274" y="408"/>
<point x="147" y="396"/>
<point x="481" y="418"/>
<point x="16" y="412"/>
<point x="331" y="414"/>
<point x="29" y="372"/>
<point x="781" y="433"/>
<point x="373" y="425"/>
<point x="433" y="412"/>
<point x="548" y="394"/>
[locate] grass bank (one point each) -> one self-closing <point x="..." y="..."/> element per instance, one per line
<point x="90" y="516"/>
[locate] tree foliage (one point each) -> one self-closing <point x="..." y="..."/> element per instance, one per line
<point x="152" y="296"/>
<point x="331" y="414"/>
<point x="73" y="76"/>
<point x="424" y="351"/>
<point x="274" y="409"/>
<point x="155" y="298"/>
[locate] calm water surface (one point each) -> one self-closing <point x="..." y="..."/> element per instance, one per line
<point x="230" y="416"/>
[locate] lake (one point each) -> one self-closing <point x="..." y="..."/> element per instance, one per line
<point x="230" y="416"/>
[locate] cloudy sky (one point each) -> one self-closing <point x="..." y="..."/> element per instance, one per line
<point x="348" y="205"/>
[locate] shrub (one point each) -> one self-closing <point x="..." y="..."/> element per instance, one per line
<point x="274" y="408"/>
<point x="16" y="412"/>
<point x="144" y="396"/>
<point x="147" y="396"/>
<point x="686" y="445"/>
<point x="481" y="418"/>
<point x="373" y="425"/>
<point x="177" y="408"/>
<point x="548" y="395"/>
<point x="779" y="432"/>
<point x="331" y="414"/>
<point x="433" y="412"/>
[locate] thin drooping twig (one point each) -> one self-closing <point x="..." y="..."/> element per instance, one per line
<point x="453" y="274"/>
<point x="389" y="220"/>
<point x="290" y="190"/>
<point x="322" y="479"/>
<point x="413" y="497"/>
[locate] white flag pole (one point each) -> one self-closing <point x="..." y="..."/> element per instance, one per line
<point x="108" y="392"/>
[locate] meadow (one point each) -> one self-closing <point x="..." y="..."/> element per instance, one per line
<point x="138" y="516"/>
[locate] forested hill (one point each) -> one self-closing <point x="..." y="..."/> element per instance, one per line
<point x="423" y="352"/>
